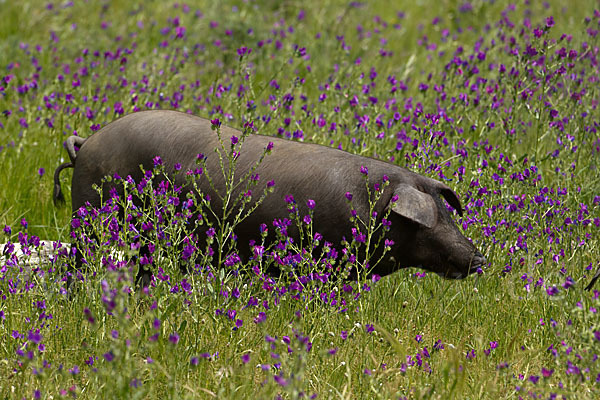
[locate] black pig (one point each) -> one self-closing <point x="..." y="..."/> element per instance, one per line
<point x="422" y="230"/>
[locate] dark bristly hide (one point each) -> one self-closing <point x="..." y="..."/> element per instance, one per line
<point x="422" y="230"/>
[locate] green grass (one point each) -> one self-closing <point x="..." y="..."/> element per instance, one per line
<point x="530" y="190"/>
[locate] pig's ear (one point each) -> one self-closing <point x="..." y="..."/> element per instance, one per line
<point x="451" y="198"/>
<point x="417" y="206"/>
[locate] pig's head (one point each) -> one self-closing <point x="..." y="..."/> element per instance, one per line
<point x="427" y="235"/>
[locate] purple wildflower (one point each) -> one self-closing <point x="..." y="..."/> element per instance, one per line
<point x="243" y="51"/>
<point x="552" y="291"/>
<point x="262" y="317"/>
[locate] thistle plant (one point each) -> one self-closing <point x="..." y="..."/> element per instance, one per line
<point x="236" y="195"/>
<point x="367" y="234"/>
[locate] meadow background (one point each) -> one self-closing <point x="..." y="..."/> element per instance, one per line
<point x="499" y="100"/>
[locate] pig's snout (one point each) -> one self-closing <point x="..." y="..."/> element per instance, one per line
<point x="477" y="261"/>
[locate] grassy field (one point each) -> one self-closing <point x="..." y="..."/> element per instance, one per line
<point x="499" y="101"/>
